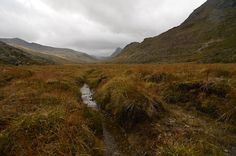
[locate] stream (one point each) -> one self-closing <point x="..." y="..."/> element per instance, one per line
<point x="114" y="138"/>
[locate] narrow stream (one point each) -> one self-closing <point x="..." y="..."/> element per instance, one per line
<point x="114" y="139"/>
<point x="87" y="97"/>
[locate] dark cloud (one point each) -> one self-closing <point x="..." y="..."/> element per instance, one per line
<point x="93" y="26"/>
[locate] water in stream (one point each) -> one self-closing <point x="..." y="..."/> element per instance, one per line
<point x="114" y="139"/>
<point x="87" y="97"/>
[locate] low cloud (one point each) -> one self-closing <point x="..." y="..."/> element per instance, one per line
<point x="96" y="27"/>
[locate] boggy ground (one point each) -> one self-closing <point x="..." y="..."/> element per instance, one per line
<point x="179" y="109"/>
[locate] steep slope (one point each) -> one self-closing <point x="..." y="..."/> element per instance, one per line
<point x="68" y="55"/>
<point x="116" y="52"/>
<point x="14" y="56"/>
<point x="207" y="36"/>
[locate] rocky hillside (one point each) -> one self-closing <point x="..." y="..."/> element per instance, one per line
<point x="14" y="56"/>
<point x="62" y="55"/>
<point x="207" y="36"/>
<point x="116" y="52"/>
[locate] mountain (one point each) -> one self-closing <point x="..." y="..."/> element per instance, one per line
<point x="207" y="36"/>
<point x="62" y="55"/>
<point x="15" y="56"/>
<point x="116" y="52"/>
<point x="106" y="59"/>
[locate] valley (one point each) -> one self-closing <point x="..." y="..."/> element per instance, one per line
<point x="173" y="94"/>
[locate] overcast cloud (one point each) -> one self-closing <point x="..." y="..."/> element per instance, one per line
<point x="93" y="26"/>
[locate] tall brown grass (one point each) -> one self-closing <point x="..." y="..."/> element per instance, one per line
<point x="172" y="109"/>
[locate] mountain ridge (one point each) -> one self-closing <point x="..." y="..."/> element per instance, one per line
<point x="116" y="52"/>
<point x="67" y="54"/>
<point x="206" y="36"/>
<point x="15" y="56"/>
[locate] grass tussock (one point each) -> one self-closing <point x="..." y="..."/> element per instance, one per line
<point x="94" y="119"/>
<point x="121" y="97"/>
<point x="94" y="77"/>
<point x="52" y="132"/>
<point x="153" y="77"/>
<point x="211" y="98"/>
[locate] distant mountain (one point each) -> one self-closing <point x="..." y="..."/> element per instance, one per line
<point x="15" y="56"/>
<point x="62" y="55"/>
<point x="116" y="52"/>
<point x="106" y="59"/>
<point x="207" y="36"/>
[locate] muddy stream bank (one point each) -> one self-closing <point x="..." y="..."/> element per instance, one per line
<point x="115" y="139"/>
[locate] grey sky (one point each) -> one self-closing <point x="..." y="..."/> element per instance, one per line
<point x="93" y="26"/>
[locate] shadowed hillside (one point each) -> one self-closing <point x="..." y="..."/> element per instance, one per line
<point x="14" y="56"/>
<point x="207" y="36"/>
<point x="61" y="55"/>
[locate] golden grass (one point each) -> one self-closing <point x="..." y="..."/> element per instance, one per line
<point x="176" y="108"/>
<point x="42" y="114"/>
<point x="204" y="92"/>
